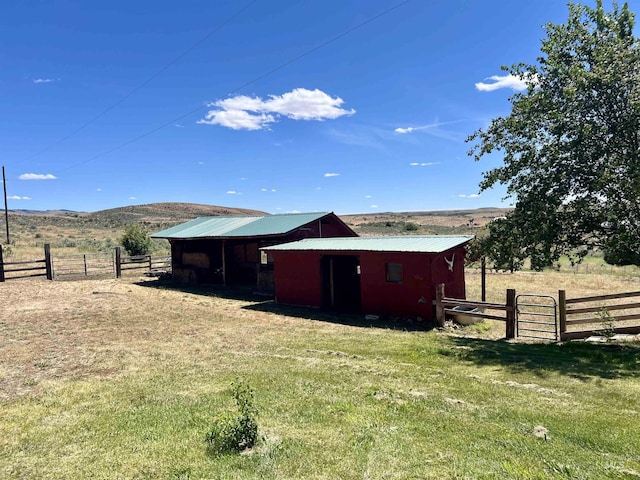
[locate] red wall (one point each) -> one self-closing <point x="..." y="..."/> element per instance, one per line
<point x="298" y="280"/>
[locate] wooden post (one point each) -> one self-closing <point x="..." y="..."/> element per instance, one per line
<point x="118" y="263"/>
<point x="47" y="261"/>
<point x="85" y="264"/>
<point x="1" y="266"/>
<point x="562" y="310"/>
<point x="483" y="278"/>
<point x="511" y="313"/>
<point x="439" y="307"/>
<point x="6" y="208"/>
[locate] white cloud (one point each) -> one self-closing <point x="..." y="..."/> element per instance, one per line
<point x="502" y="81"/>
<point x="132" y="198"/>
<point x="264" y="189"/>
<point x="178" y="125"/>
<point x="424" y="164"/>
<point x="243" y="178"/>
<point x="18" y="197"/>
<point x="472" y="195"/>
<point x="433" y="129"/>
<point x="293" y="211"/>
<point x="98" y="189"/>
<point x="374" y="206"/>
<point x="331" y="174"/>
<point x="232" y="192"/>
<point x="37" y="176"/>
<point x="254" y="113"/>
<point x="273" y="190"/>
<point x="368" y="196"/>
<point x="45" y="80"/>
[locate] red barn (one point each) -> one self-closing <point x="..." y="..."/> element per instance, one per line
<point x="227" y="249"/>
<point x="372" y="275"/>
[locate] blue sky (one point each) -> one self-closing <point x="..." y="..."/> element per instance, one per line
<point x="250" y="104"/>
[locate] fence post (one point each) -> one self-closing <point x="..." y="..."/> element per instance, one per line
<point x="483" y="278"/>
<point x="150" y="267"/>
<point x="47" y="261"/>
<point x="1" y="266"/>
<point x="562" y="310"/>
<point x="118" y="263"/>
<point x="511" y="313"/>
<point x="439" y="306"/>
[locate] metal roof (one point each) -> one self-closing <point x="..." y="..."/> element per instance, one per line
<point x="229" y="227"/>
<point x="406" y="243"/>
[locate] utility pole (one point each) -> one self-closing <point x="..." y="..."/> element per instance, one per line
<point x="6" y="209"/>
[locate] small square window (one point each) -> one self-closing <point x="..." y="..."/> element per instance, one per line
<point x="394" y="272"/>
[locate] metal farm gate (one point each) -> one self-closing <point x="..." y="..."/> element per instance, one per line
<point x="536" y="317"/>
<point x="83" y="265"/>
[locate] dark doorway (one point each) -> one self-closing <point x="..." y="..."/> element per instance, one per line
<point x="341" y="283"/>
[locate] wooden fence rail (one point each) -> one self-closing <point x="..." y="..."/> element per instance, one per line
<point x="445" y="306"/>
<point x="573" y="314"/>
<point x="42" y="267"/>
<point x="83" y="264"/>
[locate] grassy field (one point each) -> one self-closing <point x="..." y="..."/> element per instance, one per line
<point x="123" y="378"/>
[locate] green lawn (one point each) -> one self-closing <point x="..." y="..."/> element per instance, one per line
<point x="119" y="379"/>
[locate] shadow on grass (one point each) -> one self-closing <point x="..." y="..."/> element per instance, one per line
<point x="577" y="359"/>
<point x="259" y="303"/>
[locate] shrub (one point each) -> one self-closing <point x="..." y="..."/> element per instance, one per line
<point x="135" y="240"/>
<point x="411" y="227"/>
<point x="235" y="432"/>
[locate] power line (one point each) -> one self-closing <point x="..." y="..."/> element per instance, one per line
<point x="244" y="85"/>
<point x="145" y="83"/>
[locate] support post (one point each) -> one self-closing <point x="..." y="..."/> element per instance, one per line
<point x="562" y="310"/>
<point x="118" y="263"/>
<point x="483" y="278"/>
<point x="47" y="261"/>
<point x="150" y="263"/>
<point x="6" y="208"/>
<point x="511" y="313"/>
<point x="439" y="307"/>
<point x="1" y="266"/>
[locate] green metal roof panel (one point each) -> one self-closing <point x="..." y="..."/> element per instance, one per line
<point x="277" y="224"/>
<point x="406" y="243"/>
<point x="228" y="227"/>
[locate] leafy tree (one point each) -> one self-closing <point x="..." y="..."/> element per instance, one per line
<point x="135" y="240"/>
<point x="571" y="143"/>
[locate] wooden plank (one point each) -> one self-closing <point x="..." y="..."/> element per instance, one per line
<point x="589" y="333"/>
<point x="26" y="269"/>
<point x="619" y="306"/>
<point x="26" y="276"/>
<point x="24" y="262"/>
<point x="597" y="320"/>
<point x="612" y="296"/>
<point x="487" y="316"/>
<point x="471" y="303"/>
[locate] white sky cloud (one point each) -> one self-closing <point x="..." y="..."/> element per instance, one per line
<point x="502" y="81"/>
<point x="18" y="197"/>
<point x="98" y="189"/>
<point x="331" y="174"/>
<point x="368" y="196"/>
<point x="423" y="164"/>
<point x="37" y="176"/>
<point x="463" y="195"/>
<point x="430" y="128"/>
<point x="254" y="113"/>
<point x="45" y="80"/>
<point x="232" y="192"/>
<point x="132" y="198"/>
<point x="374" y="206"/>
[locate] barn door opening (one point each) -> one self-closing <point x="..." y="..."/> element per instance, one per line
<point x="341" y="283"/>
